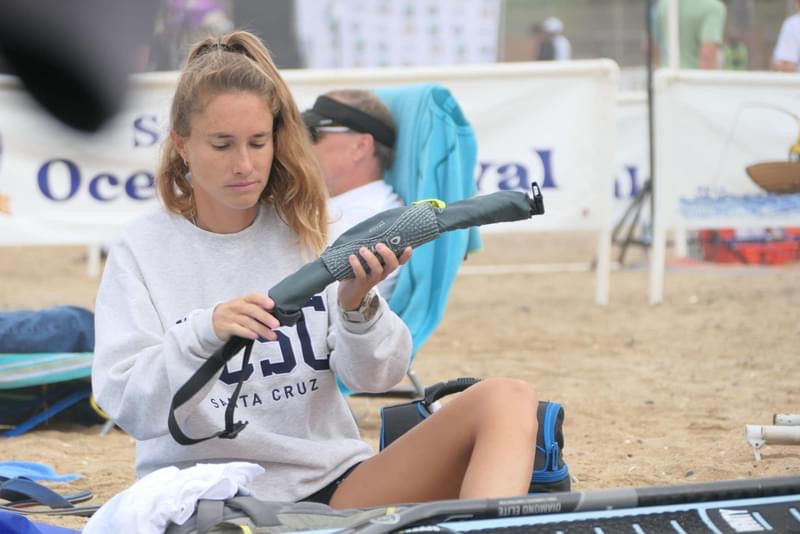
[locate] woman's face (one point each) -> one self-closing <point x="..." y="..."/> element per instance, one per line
<point x="229" y="151"/>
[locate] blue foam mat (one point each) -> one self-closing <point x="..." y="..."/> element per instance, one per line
<point x="19" y="524"/>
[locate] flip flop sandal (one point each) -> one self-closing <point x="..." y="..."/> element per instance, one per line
<point x="22" y="492"/>
<point x="83" y="511"/>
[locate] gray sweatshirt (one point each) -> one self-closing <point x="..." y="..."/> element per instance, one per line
<point x="154" y="328"/>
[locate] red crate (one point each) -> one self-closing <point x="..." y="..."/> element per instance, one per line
<point x="723" y="246"/>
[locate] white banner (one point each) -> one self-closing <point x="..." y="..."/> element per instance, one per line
<point x="64" y="187"/>
<point x="713" y="130"/>
<point x="549" y="123"/>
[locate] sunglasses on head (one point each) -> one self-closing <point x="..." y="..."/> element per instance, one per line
<point x="316" y="131"/>
<point x="336" y="116"/>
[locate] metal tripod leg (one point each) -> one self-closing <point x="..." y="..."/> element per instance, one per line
<point x="634" y="210"/>
<point x="107" y="427"/>
<point x="419" y="388"/>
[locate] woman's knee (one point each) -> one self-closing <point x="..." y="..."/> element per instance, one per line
<point x="508" y="390"/>
<point x="509" y="399"/>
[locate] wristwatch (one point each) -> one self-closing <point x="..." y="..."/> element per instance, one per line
<point x="366" y="311"/>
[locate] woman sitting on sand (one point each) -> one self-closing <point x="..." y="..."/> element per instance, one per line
<point x="244" y="206"/>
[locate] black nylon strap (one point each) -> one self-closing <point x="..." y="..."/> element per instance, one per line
<point x="207" y="372"/>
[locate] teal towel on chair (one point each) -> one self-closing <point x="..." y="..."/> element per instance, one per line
<point x="435" y="157"/>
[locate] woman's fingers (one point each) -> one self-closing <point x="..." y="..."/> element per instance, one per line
<point x="260" y="314"/>
<point x="390" y="260"/>
<point x="260" y="299"/>
<point x="358" y="269"/>
<point x="374" y="264"/>
<point x="405" y="256"/>
<point x="246" y="317"/>
<point x="379" y="269"/>
<point x="254" y="329"/>
<point x="352" y="291"/>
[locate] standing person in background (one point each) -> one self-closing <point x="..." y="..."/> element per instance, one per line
<point x="554" y="42"/>
<point x="182" y="22"/>
<point x="542" y="44"/>
<point x="735" y="53"/>
<point x="244" y="205"/>
<point x="701" y="31"/>
<point x="353" y="133"/>
<point x="738" y="34"/>
<point x="786" y="57"/>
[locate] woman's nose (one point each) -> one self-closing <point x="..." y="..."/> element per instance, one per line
<point x="242" y="163"/>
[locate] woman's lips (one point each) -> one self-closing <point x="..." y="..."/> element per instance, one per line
<point x="239" y="186"/>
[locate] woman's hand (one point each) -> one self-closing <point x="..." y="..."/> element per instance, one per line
<point x="246" y="317"/>
<point x="353" y="290"/>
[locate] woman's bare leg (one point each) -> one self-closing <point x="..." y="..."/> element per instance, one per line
<point x="481" y="444"/>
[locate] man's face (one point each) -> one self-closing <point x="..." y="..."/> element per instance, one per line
<point x="336" y="152"/>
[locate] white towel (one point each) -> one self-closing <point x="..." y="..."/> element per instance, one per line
<point x="170" y="494"/>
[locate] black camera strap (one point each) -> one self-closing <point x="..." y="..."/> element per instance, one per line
<point x="206" y="373"/>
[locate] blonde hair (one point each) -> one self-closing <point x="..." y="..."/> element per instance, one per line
<point x="234" y="62"/>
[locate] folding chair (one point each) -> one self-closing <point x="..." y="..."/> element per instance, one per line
<point x="435" y="158"/>
<point x="45" y="365"/>
<point x="39" y="386"/>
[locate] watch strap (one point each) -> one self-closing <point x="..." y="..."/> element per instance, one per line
<point x="366" y="310"/>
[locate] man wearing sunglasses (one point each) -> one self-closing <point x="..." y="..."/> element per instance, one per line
<point x="354" y="135"/>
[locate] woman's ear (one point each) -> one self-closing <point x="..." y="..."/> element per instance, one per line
<point x="179" y="142"/>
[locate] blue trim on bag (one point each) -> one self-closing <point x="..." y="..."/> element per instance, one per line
<point x="422" y="411"/>
<point x="544" y="477"/>
<point x="550" y="416"/>
<point x="383" y="425"/>
<point x="551" y="471"/>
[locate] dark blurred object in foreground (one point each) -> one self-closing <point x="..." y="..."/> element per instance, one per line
<point x="75" y="57"/>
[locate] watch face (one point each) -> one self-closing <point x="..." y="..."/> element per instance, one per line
<point x="365" y="312"/>
<point x="371" y="306"/>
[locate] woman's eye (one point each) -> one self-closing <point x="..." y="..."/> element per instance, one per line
<point x="219" y="147"/>
<point x="258" y="145"/>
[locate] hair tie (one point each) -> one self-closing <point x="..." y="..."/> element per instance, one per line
<point x="235" y="48"/>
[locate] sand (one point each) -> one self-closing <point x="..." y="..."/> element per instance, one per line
<point x="652" y="394"/>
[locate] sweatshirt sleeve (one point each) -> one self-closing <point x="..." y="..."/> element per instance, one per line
<point x="137" y="365"/>
<point x="368" y="357"/>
